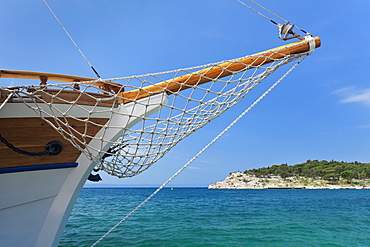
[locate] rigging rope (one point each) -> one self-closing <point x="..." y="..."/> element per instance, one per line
<point x="201" y="151"/>
<point x="70" y="37"/>
<point x="268" y="10"/>
<point x="127" y="131"/>
<point x="271" y="12"/>
<point x="257" y="11"/>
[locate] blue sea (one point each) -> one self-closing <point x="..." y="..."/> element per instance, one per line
<point x="202" y="217"/>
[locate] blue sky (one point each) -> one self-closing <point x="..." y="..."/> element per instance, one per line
<point x="320" y="111"/>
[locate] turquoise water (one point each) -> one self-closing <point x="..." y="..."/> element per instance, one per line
<point x="202" y="217"/>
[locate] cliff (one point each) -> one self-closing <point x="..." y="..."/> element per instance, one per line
<point x="238" y="180"/>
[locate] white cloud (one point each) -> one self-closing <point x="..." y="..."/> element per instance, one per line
<point x="365" y="126"/>
<point x="193" y="168"/>
<point x="351" y="94"/>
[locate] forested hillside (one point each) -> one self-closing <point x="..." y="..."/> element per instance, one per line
<point x="328" y="170"/>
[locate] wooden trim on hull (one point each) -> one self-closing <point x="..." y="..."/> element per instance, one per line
<point x="32" y="134"/>
<point x="62" y="97"/>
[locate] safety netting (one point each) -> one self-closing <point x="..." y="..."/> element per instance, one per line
<point x="124" y="125"/>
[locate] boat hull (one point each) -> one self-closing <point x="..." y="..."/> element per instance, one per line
<point x="25" y="199"/>
<point x="37" y="199"/>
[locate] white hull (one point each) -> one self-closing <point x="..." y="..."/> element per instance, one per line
<point x="25" y="199"/>
<point x="29" y="199"/>
<point x="35" y="205"/>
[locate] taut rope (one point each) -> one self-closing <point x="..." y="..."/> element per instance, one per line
<point x="271" y="12"/>
<point x="70" y="37"/>
<point x="201" y="151"/>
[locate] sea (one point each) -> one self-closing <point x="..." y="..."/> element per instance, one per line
<point x="203" y="217"/>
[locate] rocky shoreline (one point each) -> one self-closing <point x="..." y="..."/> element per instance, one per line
<point x="238" y="180"/>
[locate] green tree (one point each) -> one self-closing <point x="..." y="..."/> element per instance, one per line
<point x="348" y="174"/>
<point x="331" y="170"/>
<point x="284" y="174"/>
<point x="331" y="177"/>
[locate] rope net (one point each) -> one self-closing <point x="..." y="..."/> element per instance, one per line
<point x="124" y="128"/>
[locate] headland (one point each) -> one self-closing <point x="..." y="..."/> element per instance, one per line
<point x="238" y="180"/>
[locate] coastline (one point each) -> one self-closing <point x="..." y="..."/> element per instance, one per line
<point x="238" y="180"/>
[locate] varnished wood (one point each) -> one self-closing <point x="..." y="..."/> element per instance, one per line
<point x="225" y="69"/>
<point x="32" y="134"/>
<point x="38" y="75"/>
<point x="59" y="77"/>
<point x="65" y="97"/>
